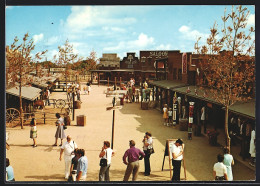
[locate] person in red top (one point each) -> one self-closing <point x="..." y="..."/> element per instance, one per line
<point x="133" y="155"/>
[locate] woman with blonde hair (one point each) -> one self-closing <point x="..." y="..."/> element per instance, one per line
<point x="165" y="114"/>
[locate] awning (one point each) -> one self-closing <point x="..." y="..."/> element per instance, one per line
<point x="28" y="92"/>
<point x="41" y="85"/>
<point x="246" y="109"/>
<point x="199" y="95"/>
<point x="167" y="84"/>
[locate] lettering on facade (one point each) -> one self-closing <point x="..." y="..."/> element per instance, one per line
<point x="57" y="69"/>
<point x="159" y="54"/>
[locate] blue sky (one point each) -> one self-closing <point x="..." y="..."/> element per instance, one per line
<point x="114" y="29"/>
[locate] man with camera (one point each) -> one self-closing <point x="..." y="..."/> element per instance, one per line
<point x="68" y="148"/>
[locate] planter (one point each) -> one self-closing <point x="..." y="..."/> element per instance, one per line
<point x="213" y="137"/>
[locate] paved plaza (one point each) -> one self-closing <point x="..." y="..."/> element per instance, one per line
<point x="131" y="122"/>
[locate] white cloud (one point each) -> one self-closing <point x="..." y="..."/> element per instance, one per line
<point x="83" y="17"/>
<point x="189" y="34"/>
<point x="116" y="29"/>
<point x="38" y="38"/>
<point x="142" y="42"/>
<point x="52" y="40"/>
<point x="163" y="47"/>
<point x="251" y="20"/>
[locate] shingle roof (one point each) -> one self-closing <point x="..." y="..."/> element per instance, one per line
<point x="29" y="93"/>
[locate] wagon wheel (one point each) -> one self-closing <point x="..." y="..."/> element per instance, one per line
<point x="12" y="117"/>
<point x="60" y="103"/>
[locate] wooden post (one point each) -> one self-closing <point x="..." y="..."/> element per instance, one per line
<point x="98" y="78"/>
<point x="73" y="109"/>
<point x="120" y="80"/>
<point x="108" y="81"/>
<point x="170" y="165"/>
<point x="44" y="117"/>
<point x="115" y="83"/>
<point x="113" y="124"/>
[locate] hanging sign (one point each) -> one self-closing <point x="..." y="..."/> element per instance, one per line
<point x="184" y="63"/>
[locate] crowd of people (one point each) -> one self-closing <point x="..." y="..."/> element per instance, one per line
<point x="76" y="161"/>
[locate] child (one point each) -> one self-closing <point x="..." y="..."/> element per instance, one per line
<point x="33" y="132"/>
<point x="165" y="114"/>
<point x="170" y="117"/>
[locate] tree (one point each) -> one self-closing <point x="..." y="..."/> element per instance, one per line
<point x="91" y="61"/>
<point x="227" y="61"/>
<point x="20" y="58"/>
<point x="65" y="57"/>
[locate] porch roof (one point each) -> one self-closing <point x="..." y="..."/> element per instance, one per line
<point x="168" y="84"/>
<point x="28" y="92"/>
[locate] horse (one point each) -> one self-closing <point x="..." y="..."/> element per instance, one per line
<point x="38" y="104"/>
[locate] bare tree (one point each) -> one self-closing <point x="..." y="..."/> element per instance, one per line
<point x="227" y="61"/>
<point x="65" y="57"/>
<point x="20" y="57"/>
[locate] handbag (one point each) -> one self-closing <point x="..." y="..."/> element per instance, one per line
<point x="151" y="150"/>
<point x="103" y="162"/>
<point x="64" y="127"/>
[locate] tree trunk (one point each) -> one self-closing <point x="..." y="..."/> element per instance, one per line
<point x="226" y="128"/>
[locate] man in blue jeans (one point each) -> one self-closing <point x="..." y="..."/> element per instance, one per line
<point x="82" y="166"/>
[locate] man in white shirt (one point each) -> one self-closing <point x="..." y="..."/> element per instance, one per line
<point x="68" y="148"/>
<point x="106" y="153"/>
<point x="148" y="144"/>
<point x="219" y="169"/>
<point x="176" y="151"/>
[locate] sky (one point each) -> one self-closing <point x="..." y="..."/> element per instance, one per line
<point x="115" y="29"/>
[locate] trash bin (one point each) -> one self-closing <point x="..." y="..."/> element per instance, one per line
<point x="76" y="104"/>
<point x="81" y="120"/>
<point x="144" y="105"/>
<point x="183" y="124"/>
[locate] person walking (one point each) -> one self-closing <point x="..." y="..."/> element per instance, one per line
<point x="133" y="155"/>
<point x="78" y="94"/>
<point x="176" y="151"/>
<point x="60" y="131"/>
<point x="47" y="94"/>
<point x="106" y="153"/>
<point x="68" y="148"/>
<point x="33" y="131"/>
<point x="170" y="121"/>
<point x="9" y="171"/>
<point x="219" y="169"/>
<point x="82" y="166"/>
<point x="228" y="162"/>
<point x="88" y="88"/>
<point x="165" y="114"/>
<point x="148" y="144"/>
<point x="74" y="165"/>
<point x="202" y="118"/>
<point x="252" y="148"/>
